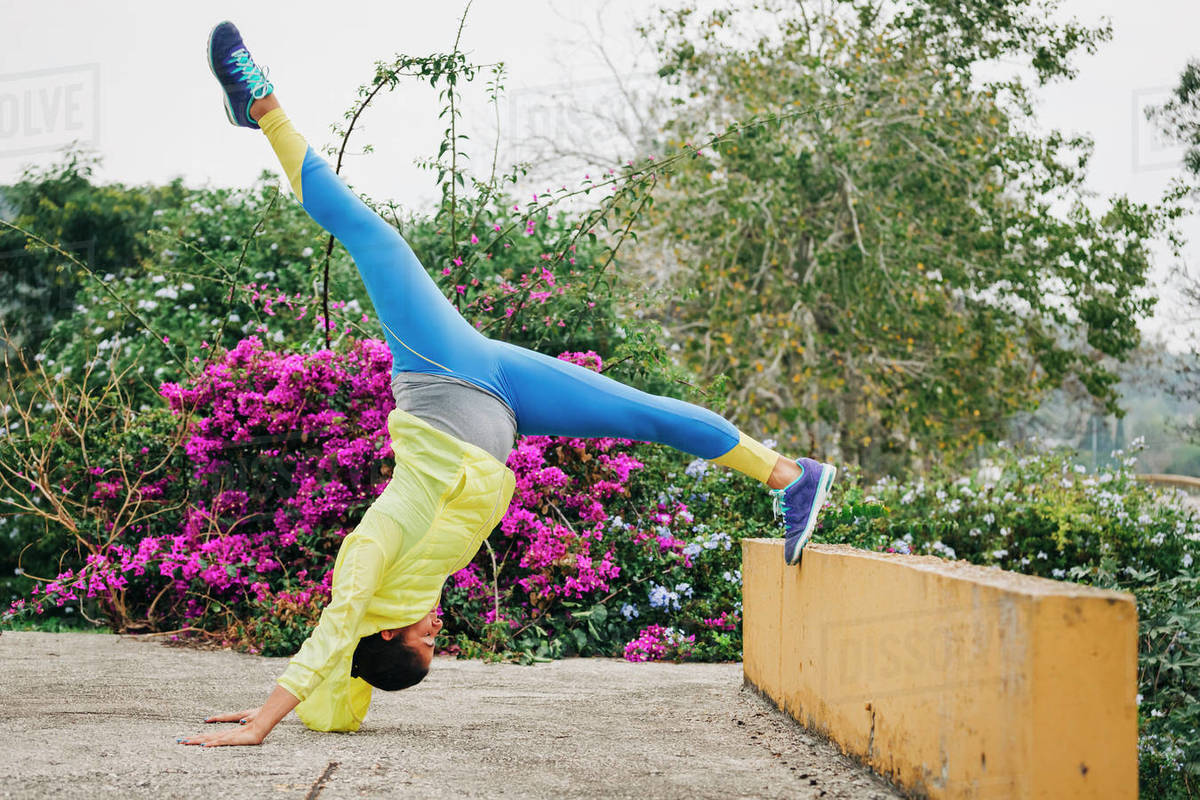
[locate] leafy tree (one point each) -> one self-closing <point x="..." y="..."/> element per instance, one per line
<point x="891" y="273"/>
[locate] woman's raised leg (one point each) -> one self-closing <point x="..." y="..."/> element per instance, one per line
<point x="423" y="330"/>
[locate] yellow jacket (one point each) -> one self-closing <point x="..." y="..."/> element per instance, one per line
<point x="444" y="498"/>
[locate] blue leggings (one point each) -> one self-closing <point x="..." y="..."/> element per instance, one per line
<point x="427" y="334"/>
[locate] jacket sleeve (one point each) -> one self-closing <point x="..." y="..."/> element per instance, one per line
<point x="356" y="579"/>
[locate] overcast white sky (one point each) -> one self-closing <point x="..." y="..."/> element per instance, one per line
<point x="131" y="78"/>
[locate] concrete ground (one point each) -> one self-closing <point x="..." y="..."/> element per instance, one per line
<point x="88" y="715"/>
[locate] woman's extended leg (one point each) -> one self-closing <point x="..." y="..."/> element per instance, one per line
<point x="423" y="330"/>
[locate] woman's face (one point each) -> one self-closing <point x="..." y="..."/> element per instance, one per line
<point x="420" y="636"/>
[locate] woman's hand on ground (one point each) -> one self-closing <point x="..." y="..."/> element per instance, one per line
<point x="256" y="723"/>
<point x="241" y="735"/>
<point x="245" y="735"/>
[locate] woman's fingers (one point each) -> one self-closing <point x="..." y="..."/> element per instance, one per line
<point x="234" y="736"/>
<point x="234" y="716"/>
<point x="201" y="739"/>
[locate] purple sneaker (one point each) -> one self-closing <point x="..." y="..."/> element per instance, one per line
<point x="242" y="80"/>
<point x="800" y="502"/>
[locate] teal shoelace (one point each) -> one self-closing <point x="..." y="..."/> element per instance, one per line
<point x="254" y="76"/>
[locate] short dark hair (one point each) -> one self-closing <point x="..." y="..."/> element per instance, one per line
<point x="387" y="665"/>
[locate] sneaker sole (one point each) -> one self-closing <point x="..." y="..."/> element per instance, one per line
<point x="828" y="474"/>
<point x="224" y="95"/>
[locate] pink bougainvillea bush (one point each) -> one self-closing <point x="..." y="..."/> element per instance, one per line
<point x="283" y="454"/>
<point x="601" y="550"/>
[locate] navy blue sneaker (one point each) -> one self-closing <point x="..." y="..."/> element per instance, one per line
<point x="800" y="502"/>
<point x="242" y="79"/>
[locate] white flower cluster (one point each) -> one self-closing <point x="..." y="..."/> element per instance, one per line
<point x="943" y="549"/>
<point x="663" y="597"/>
<point x="711" y="542"/>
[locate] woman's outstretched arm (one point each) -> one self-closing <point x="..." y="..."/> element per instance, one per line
<point x="356" y="574"/>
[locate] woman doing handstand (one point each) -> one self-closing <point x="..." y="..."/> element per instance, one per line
<point x="461" y="399"/>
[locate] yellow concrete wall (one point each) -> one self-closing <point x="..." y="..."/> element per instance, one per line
<point x="950" y="679"/>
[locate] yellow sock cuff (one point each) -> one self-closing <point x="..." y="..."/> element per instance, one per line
<point x="750" y="457"/>
<point x="288" y="144"/>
